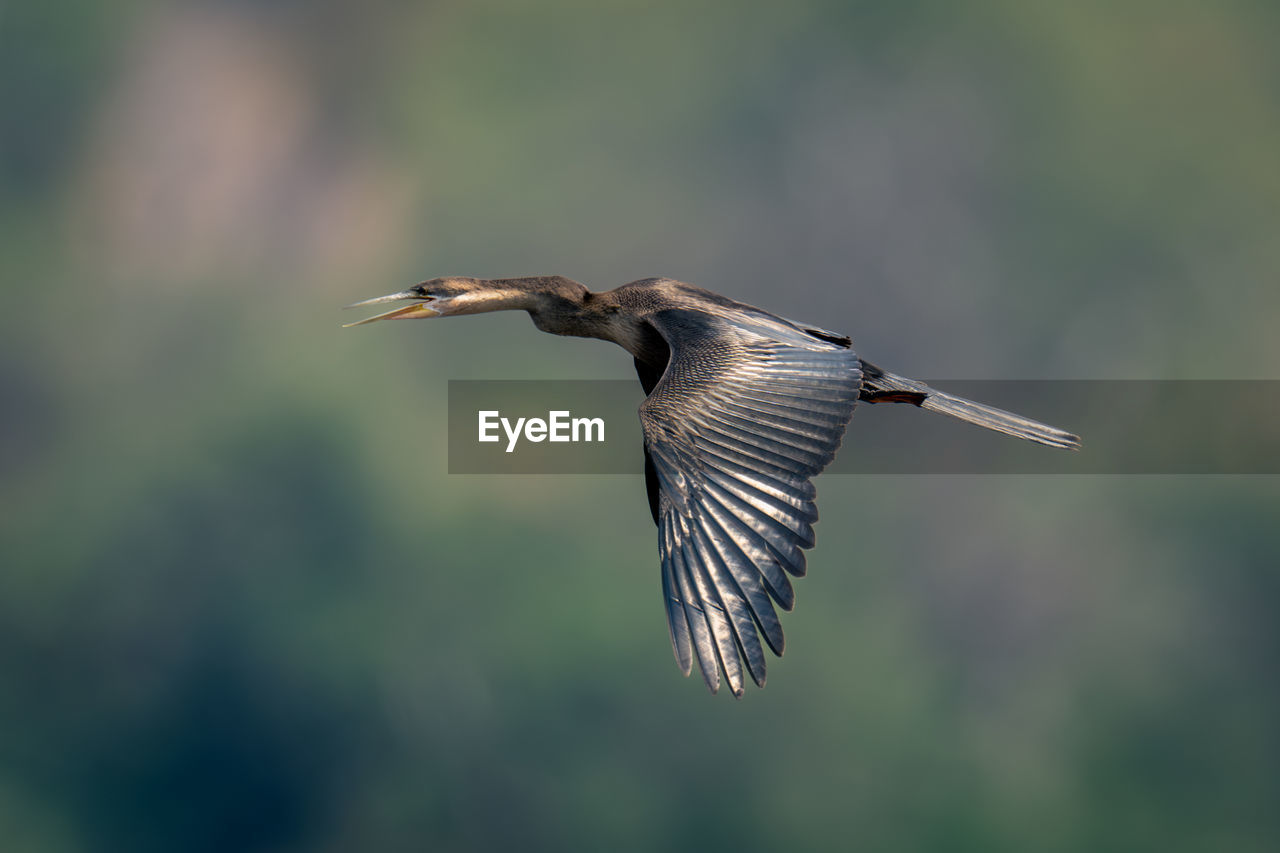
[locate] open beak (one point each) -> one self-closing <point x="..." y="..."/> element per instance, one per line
<point x="408" y="312"/>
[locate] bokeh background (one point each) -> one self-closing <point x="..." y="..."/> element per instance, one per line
<point x="243" y="606"/>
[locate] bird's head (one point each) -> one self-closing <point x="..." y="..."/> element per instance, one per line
<point x="547" y="298"/>
<point x="441" y="297"/>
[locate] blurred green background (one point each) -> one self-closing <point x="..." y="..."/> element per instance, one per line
<point x="243" y="607"/>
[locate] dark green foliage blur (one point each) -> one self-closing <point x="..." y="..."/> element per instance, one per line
<point x="244" y="607"/>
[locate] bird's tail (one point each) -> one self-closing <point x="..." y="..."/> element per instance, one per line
<point x="880" y="386"/>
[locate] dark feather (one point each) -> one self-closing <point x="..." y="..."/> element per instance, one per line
<point x="742" y="418"/>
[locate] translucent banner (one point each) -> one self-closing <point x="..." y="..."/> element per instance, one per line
<point x="1127" y="427"/>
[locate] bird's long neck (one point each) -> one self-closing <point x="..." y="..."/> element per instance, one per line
<point x="509" y="294"/>
<point x="558" y="305"/>
<point x="561" y="306"/>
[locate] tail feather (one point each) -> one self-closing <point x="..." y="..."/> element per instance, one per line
<point x="878" y="383"/>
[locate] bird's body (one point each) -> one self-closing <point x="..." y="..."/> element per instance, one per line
<point x="742" y="409"/>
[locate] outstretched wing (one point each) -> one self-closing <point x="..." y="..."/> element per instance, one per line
<point x="749" y="409"/>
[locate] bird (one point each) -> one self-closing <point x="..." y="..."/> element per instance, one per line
<point x="742" y="409"/>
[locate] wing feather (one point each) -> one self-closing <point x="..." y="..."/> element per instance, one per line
<point x="717" y="615"/>
<point x="748" y="410"/>
<point x="681" y="641"/>
<point x="773" y="564"/>
<point x="777" y="537"/>
<point x="695" y="613"/>
<point x="737" y="610"/>
<point x="749" y="583"/>
<point x="751" y="445"/>
<point x="776" y="480"/>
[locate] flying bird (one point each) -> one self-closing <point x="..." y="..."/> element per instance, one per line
<point x="742" y="410"/>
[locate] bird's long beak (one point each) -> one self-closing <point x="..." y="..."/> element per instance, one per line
<point x="408" y="312"/>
